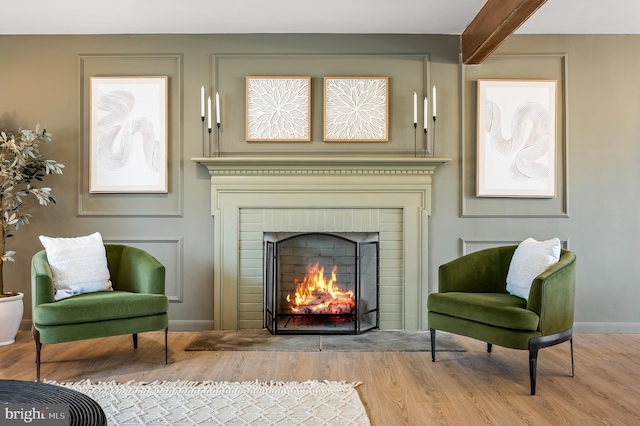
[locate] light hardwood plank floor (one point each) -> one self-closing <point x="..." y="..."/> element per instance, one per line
<point x="460" y="388"/>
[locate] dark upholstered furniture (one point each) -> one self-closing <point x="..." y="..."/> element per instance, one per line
<point x="136" y="305"/>
<point x="472" y="301"/>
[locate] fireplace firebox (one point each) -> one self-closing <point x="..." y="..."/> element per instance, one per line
<point x="320" y="283"/>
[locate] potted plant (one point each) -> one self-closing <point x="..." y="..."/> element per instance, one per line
<point x="21" y="167"/>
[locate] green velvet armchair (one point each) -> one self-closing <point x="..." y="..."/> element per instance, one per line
<point x="137" y="303"/>
<point x="472" y="301"/>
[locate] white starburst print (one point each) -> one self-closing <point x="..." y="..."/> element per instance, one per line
<point x="278" y="108"/>
<point x="356" y="109"/>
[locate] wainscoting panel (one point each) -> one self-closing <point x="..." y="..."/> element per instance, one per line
<point x="512" y="67"/>
<point x="408" y="73"/>
<point x="169" y="251"/>
<point x="169" y="204"/>
<point x="472" y="245"/>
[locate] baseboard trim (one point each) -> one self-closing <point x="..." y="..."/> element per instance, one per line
<point x="606" y="327"/>
<point x="190" y="325"/>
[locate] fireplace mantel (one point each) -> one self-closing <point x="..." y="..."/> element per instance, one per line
<point x="319" y="165"/>
<point x="251" y="195"/>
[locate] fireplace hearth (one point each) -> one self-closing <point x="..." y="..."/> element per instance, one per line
<point x="320" y="283"/>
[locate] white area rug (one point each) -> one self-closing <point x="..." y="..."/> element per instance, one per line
<point x="226" y="403"/>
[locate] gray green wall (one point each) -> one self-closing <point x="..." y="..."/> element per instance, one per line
<point x="44" y="79"/>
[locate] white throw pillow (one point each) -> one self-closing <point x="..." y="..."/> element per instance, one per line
<point x="79" y="265"/>
<point x="530" y="259"/>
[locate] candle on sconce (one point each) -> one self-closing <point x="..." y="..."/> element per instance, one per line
<point x="426" y="112"/>
<point x="209" y="112"/>
<point x="434" y="102"/>
<point x="217" y="109"/>
<point x="415" y="109"/>
<point x="202" y="102"/>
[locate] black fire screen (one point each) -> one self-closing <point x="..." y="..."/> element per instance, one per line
<point x="319" y="283"/>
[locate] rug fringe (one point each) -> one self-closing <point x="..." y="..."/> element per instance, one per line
<point x="309" y="386"/>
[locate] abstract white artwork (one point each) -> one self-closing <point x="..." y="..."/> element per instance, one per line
<point x="356" y="109"/>
<point x="278" y="109"/>
<point x="128" y="151"/>
<point x="516" y="145"/>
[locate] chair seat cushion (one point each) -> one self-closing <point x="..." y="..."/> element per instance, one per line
<point x="497" y="309"/>
<point x="100" y="306"/>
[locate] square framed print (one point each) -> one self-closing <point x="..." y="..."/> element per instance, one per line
<point x="516" y="138"/>
<point x="128" y="142"/>
<point x="356" y="109"/>
<point x="278" y="109"/>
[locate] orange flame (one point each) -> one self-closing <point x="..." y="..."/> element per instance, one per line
<point x="317" y="295"/>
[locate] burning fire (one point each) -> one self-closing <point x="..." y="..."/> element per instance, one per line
<point x="317" y="295"/>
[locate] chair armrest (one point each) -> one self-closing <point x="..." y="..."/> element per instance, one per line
<point x="140" y="272"/>
<point x="484" y="271"/>
<point x="552" y="295"/>
<point x="42" y="288"/>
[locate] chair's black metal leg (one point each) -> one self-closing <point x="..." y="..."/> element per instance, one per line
<point x="166" y="345"/>
<point x="135" y="340"/>
<point x="36" y="338"/>
<point x="572" y="366"/>
<point x="537" y="343"/>
<point x="433" y="344"/>
<point x="533" y="366"/>
<point x="489" y="347"/>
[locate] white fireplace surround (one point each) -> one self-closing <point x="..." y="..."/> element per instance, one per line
<point x="254" y="195"/>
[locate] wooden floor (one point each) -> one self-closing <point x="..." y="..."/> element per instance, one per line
<point x="460" y="388"/>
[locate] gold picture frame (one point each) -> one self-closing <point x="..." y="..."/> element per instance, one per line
<point x="278" y="108"/>
<point x="356" y="109"/>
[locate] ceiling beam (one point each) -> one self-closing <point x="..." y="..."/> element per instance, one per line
<point x="492" y="25"/>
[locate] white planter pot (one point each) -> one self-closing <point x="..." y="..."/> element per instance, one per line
<point x="11" y="309"/>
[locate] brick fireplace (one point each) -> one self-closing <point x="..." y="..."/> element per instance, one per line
<point x="254" y="196"/>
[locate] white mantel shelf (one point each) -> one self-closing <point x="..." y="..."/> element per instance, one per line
<point x="320" y="164"/>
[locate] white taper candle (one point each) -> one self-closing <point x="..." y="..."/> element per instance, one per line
<point x="426" y="112"/>
<point x="202" y="102"/>
<point x="415" y="108"/>
<point x="434" y="101"/>
<point x="209" y="112"/>
<point x="217" y="108"/>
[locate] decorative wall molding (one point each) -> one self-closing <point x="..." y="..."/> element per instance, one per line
<point x="169" y="251"/>
<point x="407" y="72"/>
<point x="470" y="245"/>
<point x="131" y="205"/>
<point x="548" y="67"/>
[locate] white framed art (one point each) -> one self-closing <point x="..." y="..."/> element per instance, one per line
<point x="278" y="109"/>
<point x="356" y="109"/>
<point x="516" y="138"/>
<point x="128" y="142"/>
